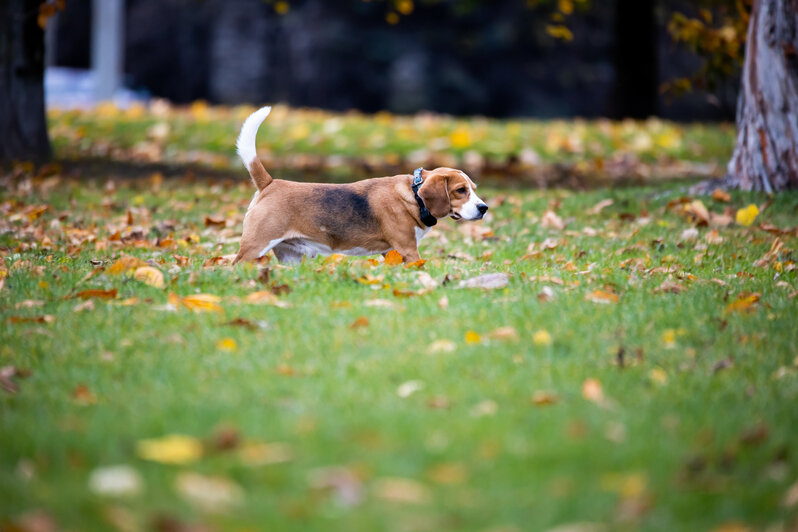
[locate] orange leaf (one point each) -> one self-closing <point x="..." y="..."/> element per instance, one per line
<point x="393" y="258"/>
<point x="360" y="322"/>
<point x="197" y="302"/>
<point x="416" y="264"/>
<point x="745" y="303"/>
<point x="100" y="294"/>
<point x="600" y="296"/>
<point x="125" y="264"/>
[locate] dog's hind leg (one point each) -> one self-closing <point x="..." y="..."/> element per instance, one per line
<point x="254" y="249"/>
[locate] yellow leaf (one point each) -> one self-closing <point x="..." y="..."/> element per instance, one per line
<point x="744" y="303"/>
<point x="261" y="297"/>
<point x="197" y="302"/>
<point x="125" y="264"/>
<point x="460" y="138"/>
<point x="172" y="449"/>
<point x="226" y="344"/>
<point x="658" y="376"/>
<point x="542" y="337"/>
<point x="559" y="32"/>
<point x="472" y="337"/>
<point x="149" y="275"/>
<point x="747" y="215"/>
<point x="393" y="258"/>
<point x="566" y="7"/>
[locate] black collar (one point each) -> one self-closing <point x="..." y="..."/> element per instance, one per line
<point x="426" y="217"/>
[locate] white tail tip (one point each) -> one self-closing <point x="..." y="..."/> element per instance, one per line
<point x="245" y="144"/>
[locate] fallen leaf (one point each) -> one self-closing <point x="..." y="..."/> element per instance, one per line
<point x="382" y="303"/>
<point x="791" y="497"/>
<point x="721" y="196"/>
<point x="401" y="490"/>
<point x="359" y="323"/>
<point x="487" y="407"/>
<point x="99" y="294"/>
<point x="226" y="344"/>
<point x="262" y="297"/>
<point x="342" y="481"/>
<point x="259" y="454"/>
<point x="698" y="212"/>
<point x="542" y="338"/>
<point x="83" y="396"/>
<point x="591" y="390"/>
<point x="543" y="398"/>
<point x="210" y="493"/>
<point x="472" y="337"/>
<point x="197" y="302"/>
<point x="443" y="303"/>
<point x="8" y="376"/>
<point x="174" y="449"/>
<point x="115" y="481"/>
<point x="490" y="281"/>
<point x="149" y="275"/>
<point x="393" y="258"/>
<point x="503" y="333"/>
<point x="46" y="318"/>
<point x="448" y="473"/>
<point x="441" y="346"/>
<point x="211" y="221"/>
<point x="416" y="264"/>
<point x="658" y="376"/>
<point x="125" y="264"/>
<point x="600" y="296"/>
<point x="747" y="215"/>
<point x="406" y="389"/>
<point x="598" y="207"/>
<point x="745" y="303"/>
<point x="86" y="305"/>
<point x="550" y="220"/>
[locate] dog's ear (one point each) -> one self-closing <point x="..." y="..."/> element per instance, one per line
<point x="435" y="193"/>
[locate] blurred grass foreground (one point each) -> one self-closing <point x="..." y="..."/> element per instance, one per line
<point x="318" y="145"/>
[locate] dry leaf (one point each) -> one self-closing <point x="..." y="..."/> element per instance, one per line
<point x="441" y="346"/>
<point x="83" y="396"/>
<point x="406" y="389"/>
<point x="197" y="302"/>
<point x="542" y="338"/>
<point x="600" y="296"/>
<point x="550" y="220"/>
<point x="448" y="473"/>
<point x="125" y="264"/>
<point x="490" y="281"/>
<point x="382" y="303"/>
<point x="698" y="212"/>
<point x="359" y="323"/>
<point x="598" y="207"/>
<point x="472" y="337"/>
<point x="210" y="493"/>
<point x="86" y="305"/>
<point x="745" y="303"/>
<point x="591" y="390"/>
<point x="149" y="275"/>
<point x="226" y="344"/>
<point x="721" y="196"/>
<point x="115" y="481"/>
<point x="211" y="221"/>
<point x="747" y="215"/>
<point x="503" y="333"/>
<point x="401" y="490"/>
<point x="543" y="398"/>
<point x="259" y="454"/>
<point x="8" y="376"/>
<point x="393" y="258"/>
<point x="171" y="449"/>
<point x="100" y="294"/>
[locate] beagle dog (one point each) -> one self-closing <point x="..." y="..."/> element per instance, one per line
<point x="363" y="218"/>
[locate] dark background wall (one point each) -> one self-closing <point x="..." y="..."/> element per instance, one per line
<point x="494" y="58"/>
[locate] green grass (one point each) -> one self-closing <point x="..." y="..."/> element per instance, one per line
<point x="678" y="443"/>
<point x="343" y="144"/>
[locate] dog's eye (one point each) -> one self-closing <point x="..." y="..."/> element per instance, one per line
<point x="461" y="190"/>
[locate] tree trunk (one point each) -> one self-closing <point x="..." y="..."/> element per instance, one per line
<point x="766" y="155"/>
<point x="23" y="127"/>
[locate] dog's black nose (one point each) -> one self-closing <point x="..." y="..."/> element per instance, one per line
<point x="482" y="208"/>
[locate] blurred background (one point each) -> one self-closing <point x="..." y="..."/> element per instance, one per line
<point x="512" y="58"/>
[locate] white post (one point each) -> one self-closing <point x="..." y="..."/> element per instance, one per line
<point x="107" y="55"/>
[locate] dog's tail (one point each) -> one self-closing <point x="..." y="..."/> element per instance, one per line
<point x="245" y="146"/>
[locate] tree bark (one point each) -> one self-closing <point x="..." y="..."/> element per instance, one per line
<point x="766" y="154"/>
<point x="23" y="126"/>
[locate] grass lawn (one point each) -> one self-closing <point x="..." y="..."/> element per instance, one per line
<point x="633" y="374"/>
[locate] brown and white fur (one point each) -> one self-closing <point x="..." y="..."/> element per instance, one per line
<point x="363" y="218"/>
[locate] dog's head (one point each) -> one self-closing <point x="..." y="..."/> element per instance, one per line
<point x="450" y="192"/>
